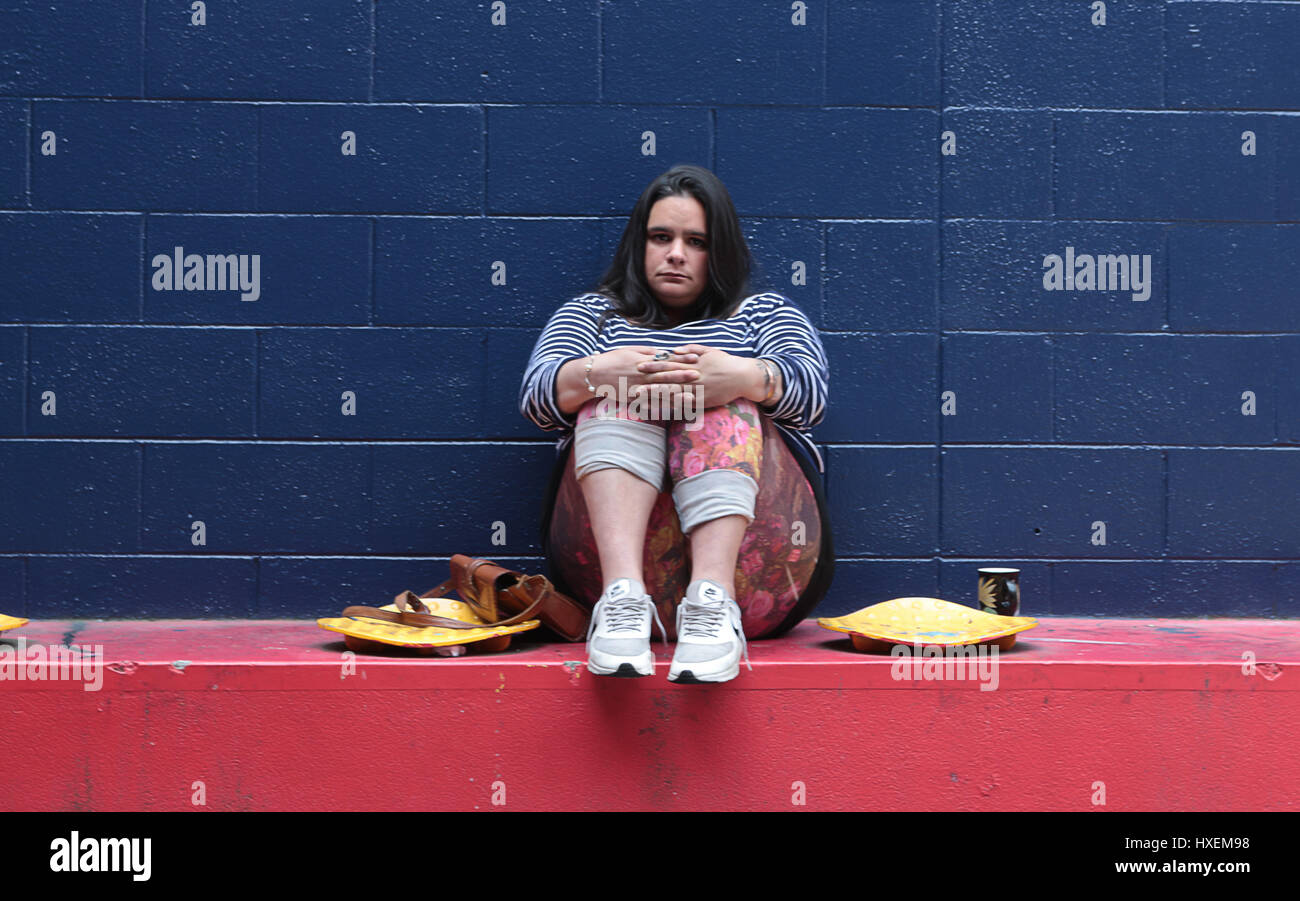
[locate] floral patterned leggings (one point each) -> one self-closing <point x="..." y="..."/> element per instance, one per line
<point x="781" y="546"/>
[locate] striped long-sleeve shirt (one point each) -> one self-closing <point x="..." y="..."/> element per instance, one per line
<point x="764" y="325"/>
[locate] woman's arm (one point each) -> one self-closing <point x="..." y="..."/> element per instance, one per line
<point x="571" y="390"/>
<point x="767" y="377"/>
<point x="788" y="338"/>
<point x="548" y="393"/>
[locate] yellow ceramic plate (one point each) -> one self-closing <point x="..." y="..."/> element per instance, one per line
<point x="428" y="636"/>
<point x="11" y="622"/>
<point x="926" y="621"/>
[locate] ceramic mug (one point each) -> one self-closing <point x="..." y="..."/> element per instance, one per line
<point x="999" y="591"/>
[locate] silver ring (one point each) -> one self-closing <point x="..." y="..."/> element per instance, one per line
<point x="662" y="355"/>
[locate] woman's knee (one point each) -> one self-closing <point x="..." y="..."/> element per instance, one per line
<point x="635" y="447"/>
<point x="713" y="494"/>
<point x="728" y="436"/>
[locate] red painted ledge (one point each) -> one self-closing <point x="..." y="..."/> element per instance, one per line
<point x="273" y="715"/>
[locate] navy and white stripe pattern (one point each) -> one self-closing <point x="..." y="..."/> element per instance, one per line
<point x="764" y="325"/>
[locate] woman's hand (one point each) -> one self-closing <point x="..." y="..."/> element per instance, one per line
<point x="719" y="377"/>
<point x="627" y="362"/>
<point x="610" y="367"/>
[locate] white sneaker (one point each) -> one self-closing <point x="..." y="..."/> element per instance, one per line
<point x="618" y="639"/>
<point x="710" y="638"/>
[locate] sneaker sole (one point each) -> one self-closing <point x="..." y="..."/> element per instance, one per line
<point x="624" y="670"/>
<point x="688" y="677"/>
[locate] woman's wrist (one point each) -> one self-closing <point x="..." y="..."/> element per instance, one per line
<point x="572" y="384"/>
<point x="766" y="387"/>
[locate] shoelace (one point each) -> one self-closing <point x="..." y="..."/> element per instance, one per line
<point x="704" y="622"/>
<point x="624" y="615"/>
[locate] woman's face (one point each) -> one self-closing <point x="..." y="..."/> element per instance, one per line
<point x="677" y="252"/>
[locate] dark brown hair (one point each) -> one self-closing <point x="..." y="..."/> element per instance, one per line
<point x="624" y="282"/>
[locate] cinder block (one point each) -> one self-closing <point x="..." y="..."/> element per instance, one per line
<point x="251" y="50"/>
<point x="447" y="272"/>
<point x="1234" y="278"/>
<point x="1001" y="385"/>
<point x="1074" y="139"/>
<point x="542" y="52"/>
<point x="584" y="160"/>
<point x="1234" y="503"/>
<point x="882" y="275"/>
<point x="1288" y="593"/>
<point x="885" y="501"/>
<point x="1232" y="55"/>
<point x="13" y="375"/>
<point x="679" y="51"/>
<point x="788" y="259"/>
<point x="861" y="583"/>
<point x="882" y="388"/>
<point x="1231" y="588"/>
<point x="405" y="383"/>
<point x="1170" y="165"/>
<point x="851" y="163"/>
<point x="1036" y="53"/>
<point x="1286" y="386"/>
<point x="68" y="267"/>
<point x="996" y="275"/>
<point x="1041" y="502"/>
<point x="882" y="52"/>
<point x="1285" y="164"/>
<point x="12" y="599"/>
<point x="1001" y="167"/>
<point x="1114" y="588"/>
<point x="13" y="152"/>
<point x="408" y="159"/>
<point x="70" y="497"/>
<point x="137" y="155"/>
<point x="256" y="498"/>
<point x="507" y="353"/>
<point x="142" y="382"/>
<point x="78" y="49"/>
<point x="309" y="269"/>
<point x="133" y="587"/>
<point x="1164" y="389"/>
<point x="440" y="499"/>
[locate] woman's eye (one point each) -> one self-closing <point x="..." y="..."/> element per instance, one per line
<point x="698" y="242"/>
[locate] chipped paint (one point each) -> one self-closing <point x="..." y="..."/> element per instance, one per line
<point x="178" y="666"/>
<point x="1269" y="671"/>
<point x="124" y="667"/>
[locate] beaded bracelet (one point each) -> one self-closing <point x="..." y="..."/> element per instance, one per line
<point x="586" y="375"/>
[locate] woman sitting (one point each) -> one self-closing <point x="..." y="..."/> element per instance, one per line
<point x="685" y="481"/>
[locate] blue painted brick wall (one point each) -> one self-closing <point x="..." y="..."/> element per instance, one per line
<point x="921" y="159"/>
